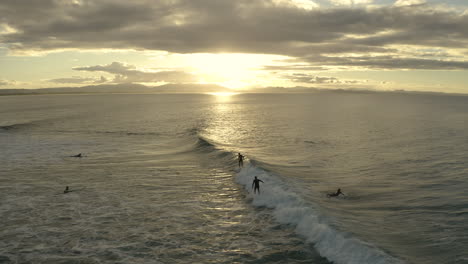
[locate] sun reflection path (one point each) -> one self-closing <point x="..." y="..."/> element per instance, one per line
<point x="224" y="93"/>
<point x="225" y="120"/>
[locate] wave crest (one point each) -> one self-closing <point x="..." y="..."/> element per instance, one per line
<point x="17" y="126"/>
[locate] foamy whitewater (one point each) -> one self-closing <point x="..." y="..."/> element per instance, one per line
<point x="158" y="180"/>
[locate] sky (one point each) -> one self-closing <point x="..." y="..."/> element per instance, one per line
<point x="418" y="45"/>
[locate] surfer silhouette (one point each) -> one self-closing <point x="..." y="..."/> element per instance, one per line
<point x="67" y="190"/>
<point x="335" y="194"/>
<point x="240" y="157"/>
<point x="77" y="155"/>
<point x="256" y="185"/>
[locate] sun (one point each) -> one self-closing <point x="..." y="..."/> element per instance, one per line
<point x="231" y="70"/>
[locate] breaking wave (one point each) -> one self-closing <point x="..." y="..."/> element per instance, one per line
<point x="289" y="208"/>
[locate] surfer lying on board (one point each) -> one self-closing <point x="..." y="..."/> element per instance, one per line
<point x="240" y="157"/>
<point x="337" y="193"/>
<point x="77" y="156"/>
<point x="256" y="185"/>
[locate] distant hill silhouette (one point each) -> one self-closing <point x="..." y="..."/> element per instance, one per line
<point x="122" y="88"/>
<point x="190" y="88"/>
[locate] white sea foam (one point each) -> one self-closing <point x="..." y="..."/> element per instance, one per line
<point x="289" y="208"/>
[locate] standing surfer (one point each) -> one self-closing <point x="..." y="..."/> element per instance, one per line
<point x="256" y="185"/>
<point x="240" y="157"/>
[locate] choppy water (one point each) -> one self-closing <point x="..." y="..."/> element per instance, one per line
<point x="159" y="181"/>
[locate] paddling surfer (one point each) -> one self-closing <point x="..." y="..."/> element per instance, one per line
<point x="335" y="194"/>
<point x="67" y="190"/>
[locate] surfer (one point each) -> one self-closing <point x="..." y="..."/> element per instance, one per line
<point x="67" y="190"/>
<point x="240" y="157"/>
<point x="77" y="156"/>
<point x="256" y="185"/>
<point x="335" y="194"/>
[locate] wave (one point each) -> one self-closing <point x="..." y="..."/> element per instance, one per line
<point x="32" y="124"/>
<point x="127" y="133"/>
<point x="289" y="208"/>
<point x="189" y="132"/>
<point x="17" y="126"/>
<point x="214" y="152"/>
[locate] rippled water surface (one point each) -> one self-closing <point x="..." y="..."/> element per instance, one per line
<point x="158" y="181"/>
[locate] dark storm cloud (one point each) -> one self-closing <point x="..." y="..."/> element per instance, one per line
<point x="189" y="26"/>
<point x="129" y="73"/>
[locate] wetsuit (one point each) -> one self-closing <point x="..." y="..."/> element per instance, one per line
<point x="256" y="185"/>
<point x="338" y="192"/>
<point x="241" y="160"/>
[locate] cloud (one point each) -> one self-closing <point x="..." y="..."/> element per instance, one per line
<point x="307" y="78"/>
<point x="351" y="2"/>
<point x="129" y="73"/>
<point x="74" y="79"/>
<point x="101" y="80"/>
<point x="305" y="4"/>
<point x="6" y="82"/>
<point x="114" y="68"/>
<point x="292" y="67"/>
<point x="243" y="26"/>
<point x="409" y="2"/>
<point x="390" y="62"/>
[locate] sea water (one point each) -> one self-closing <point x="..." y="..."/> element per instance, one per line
<point x="158" y="180"/>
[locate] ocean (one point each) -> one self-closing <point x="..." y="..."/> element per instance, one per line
<point x="159" y="182"/>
